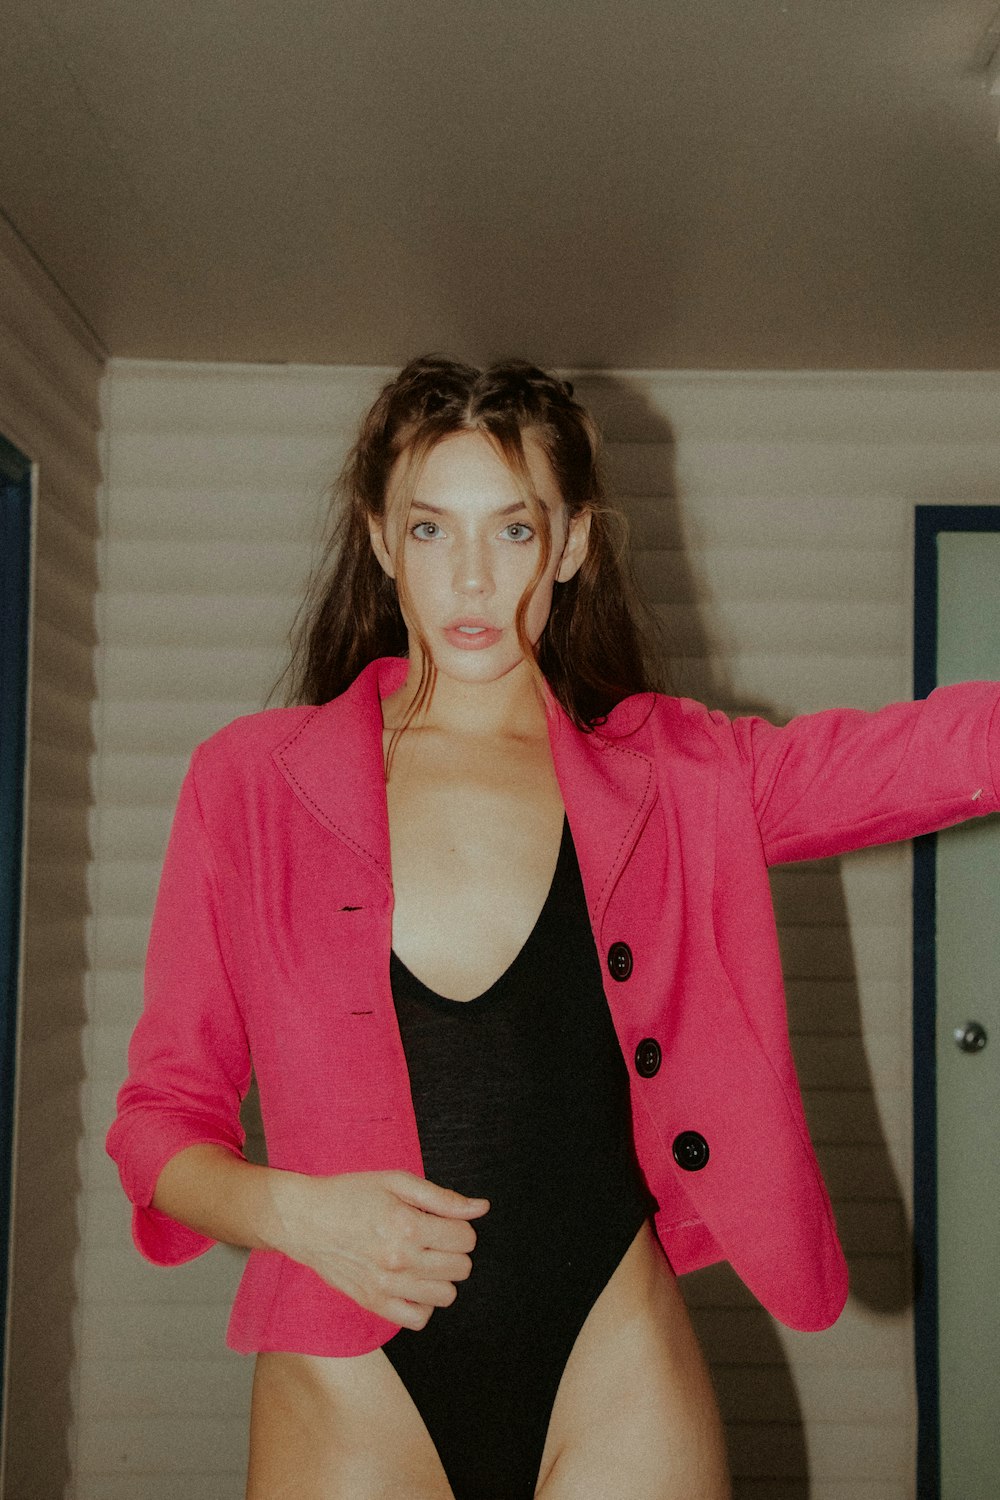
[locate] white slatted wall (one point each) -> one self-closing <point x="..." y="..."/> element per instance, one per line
<point x="772" y="525"/>
<point x="50" y="373"/>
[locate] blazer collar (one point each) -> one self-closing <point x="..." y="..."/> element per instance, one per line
<point x="333" y="763"/>
<point x="608" y="787"/>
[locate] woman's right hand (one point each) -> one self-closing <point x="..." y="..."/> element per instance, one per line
<point x="393" y="1242"/>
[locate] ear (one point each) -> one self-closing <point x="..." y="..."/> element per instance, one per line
<point x="575" y="550"/>
<point x="379" y="547"/>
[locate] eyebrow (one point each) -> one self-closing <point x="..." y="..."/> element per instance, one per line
<point x="436" y="510"/>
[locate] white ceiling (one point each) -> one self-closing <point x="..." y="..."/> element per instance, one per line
<point x="670" y="183"/>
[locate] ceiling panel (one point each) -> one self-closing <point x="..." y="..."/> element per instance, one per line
<point x="671" y="183"/>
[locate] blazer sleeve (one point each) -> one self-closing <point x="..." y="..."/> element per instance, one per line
<point x="189" y="1059"/>
<point x="842" y="779"/>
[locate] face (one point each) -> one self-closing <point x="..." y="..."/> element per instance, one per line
<point x="470" y="552"/>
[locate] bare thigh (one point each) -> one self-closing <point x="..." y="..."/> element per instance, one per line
<point x="338" y="1429"/>
<point x="635" y="1414"/>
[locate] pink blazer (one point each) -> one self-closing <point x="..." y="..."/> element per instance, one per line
<point x="271" y="940"/>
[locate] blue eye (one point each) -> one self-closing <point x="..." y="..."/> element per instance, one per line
<point x="422" y="527"/>
<point x="525" y="533"/>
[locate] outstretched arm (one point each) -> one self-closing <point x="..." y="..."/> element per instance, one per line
<point x="828" y="782"/>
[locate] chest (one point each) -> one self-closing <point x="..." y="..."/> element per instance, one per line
<point x="455" y="884"/>
<point x="474" y="838"/>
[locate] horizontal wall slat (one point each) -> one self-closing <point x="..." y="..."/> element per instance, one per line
<point x="151" y="396"/>
<point x="66" y="660"/>
<point x="148" y="1445"/>
<point x="64" y="600"/>
<point x="198" y="567"/>
<point x="150" y="1388"/>
<point x="824" y="1005"/>
<point x="888" y="408"/>
<point x="140" y="724"/>
<point x="52" y="704"/>
<point x="821" y="627"/>
<point x="237" y="457"/>
<point x="821" y="574"/>
<point x="207" y="673"/>
<point x="187" y="621"/>
<point x="142" y="777"/>
<point x="213" y="1486"/>
<point x="37" y="313"/>
<point x="70" y="417"/>
<point x="209" y="509"/>
<point x="122" y="1277"/>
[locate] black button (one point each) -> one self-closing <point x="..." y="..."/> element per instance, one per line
<point x="690" y="1151"/>
<point x="647" y="1057"/>
<point x="619" y="960"/>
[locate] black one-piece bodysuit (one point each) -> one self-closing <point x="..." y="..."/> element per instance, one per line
<point x="521" y="1096"/>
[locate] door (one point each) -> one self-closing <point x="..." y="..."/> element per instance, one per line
<point x="962" y="1033"/>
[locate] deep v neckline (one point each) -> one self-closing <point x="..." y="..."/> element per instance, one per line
<point x="431" y="996"/>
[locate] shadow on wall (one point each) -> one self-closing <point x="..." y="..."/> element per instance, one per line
<point x="752" y="1374"/>
<point x="55" y="960"/>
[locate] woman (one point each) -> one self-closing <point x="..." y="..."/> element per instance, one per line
<point x="493" y="923"/>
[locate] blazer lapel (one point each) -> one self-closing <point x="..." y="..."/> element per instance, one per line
<point x="333" y="763"/>
<point x="608" y="789"/>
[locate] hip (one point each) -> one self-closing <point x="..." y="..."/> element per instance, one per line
<point x="634" y="1413"/>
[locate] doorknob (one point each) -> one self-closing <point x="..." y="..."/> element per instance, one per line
<point x="971" y="1037"/>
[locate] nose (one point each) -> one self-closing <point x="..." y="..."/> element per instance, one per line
<point x="473" y="570"/>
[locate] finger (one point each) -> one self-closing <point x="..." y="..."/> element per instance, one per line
<point x="430" y="1262"/>
<point x="434" y="1199"/>
<point x="407" y="1314"/>
<point x="452" y="1236"/>
<point x="426" y="1292"/>
<point x="437" y="1266"/>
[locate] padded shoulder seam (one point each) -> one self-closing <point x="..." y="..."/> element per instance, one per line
<point x="263" y="731"/>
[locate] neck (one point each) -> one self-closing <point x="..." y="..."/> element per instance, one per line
<point x="509" y="706"/>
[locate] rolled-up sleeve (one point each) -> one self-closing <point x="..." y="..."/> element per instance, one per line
<point x="189" y="1059"/>
<point x="828" y="782"/>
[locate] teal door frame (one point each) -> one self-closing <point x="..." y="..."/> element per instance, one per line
<point x="931" y="520"/>
<point x="15" y="604"/>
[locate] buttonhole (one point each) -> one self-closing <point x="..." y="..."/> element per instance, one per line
<point x="350" y="908"/>
<point x="362" y="1012"/>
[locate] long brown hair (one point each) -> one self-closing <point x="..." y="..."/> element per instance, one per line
<point x="591" y="651"/>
